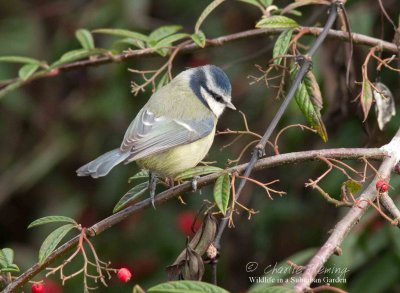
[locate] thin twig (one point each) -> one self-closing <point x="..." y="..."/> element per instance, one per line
<point x="11" y="84"/>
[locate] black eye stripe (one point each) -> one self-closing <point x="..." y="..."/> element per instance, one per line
<point x="215" y="96"/>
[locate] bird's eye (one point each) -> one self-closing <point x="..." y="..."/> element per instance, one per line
<point x="218" y="98"/>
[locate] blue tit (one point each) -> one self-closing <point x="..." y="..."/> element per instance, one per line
<point x="174" y="131"/>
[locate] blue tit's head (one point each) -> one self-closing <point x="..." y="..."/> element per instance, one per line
<point x="211" y="85"/>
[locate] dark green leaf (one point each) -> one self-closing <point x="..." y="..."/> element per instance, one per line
<point x="197" y="171"/>
<point x="51" y="219"/>
<point x="222" y="192"/>
<point x="131" y="196"/>
<point x="122" y="33"/>
<point x="27" y="70"/>
<point x="308" y="98"/>
<point x="366" y="97"/>
<point x="168" y="41"/>
<point x="139" y="175"/>
<point x="210" y="7"/>
<point x="164" y="31"/>
<point x="277" y="21"/>
<point x="282" y="45"/>
<point x="186" y="287"/>
<point x="199" y="38"/>
<point x="19" y="59"/>
<point x="51" y="242"/>
<point x="85" y="38"/>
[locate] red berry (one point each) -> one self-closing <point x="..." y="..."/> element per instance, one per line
<point x="381" y="186"/>
<point x="37" y="288"/>
<point x="185" y="222"/>
<point x="124" y="275"/>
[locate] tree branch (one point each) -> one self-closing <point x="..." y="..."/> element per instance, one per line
<point x="216" y="42"/>
<point x="344" y="226"/>
<point x="277" y="160"/>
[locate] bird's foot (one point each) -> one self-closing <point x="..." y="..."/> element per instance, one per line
<point x="152" y="188"/>
<point x="194" y="183"/>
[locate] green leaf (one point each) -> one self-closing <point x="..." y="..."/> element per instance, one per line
<point x="131" y="196"/>
<point x="210" y="7"/>
<point x="199" y="38"/>
<point x="366" y="97"/>
<point x="85" y="38"/>
<point x="164" y="31"/>
<point x="51" y="219"/>
<point x="77" y="54"/>
<point x="352" y="186"/>
<point x="282" y="45"/>
<point x="139" y="175"/>
<point x="27" y="70"/>
<point x="122" y="33"/>
<point x="222" y="192"/>
<point x="266" y="3"/>
<point x="51" y="242"/>
<point x="197" y="171"/>
<point x="133" y="42"/>
<point x="170" y="39"/>
<point x="6" y="257"/>
<point x="19" y="59"/>
<point x="277" y="21"/>
<point x="309" y="100"/>
<point x="12" y="268"/>
<point x="186" y="287"/>
<point x="6" y="261"/>
<point x="273" y="289"/>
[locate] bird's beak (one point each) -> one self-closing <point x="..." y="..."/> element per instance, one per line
<point x="230" y="106"/>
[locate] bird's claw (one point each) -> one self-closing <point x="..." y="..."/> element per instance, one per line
<point x="194" y="183"/>
<point x="260" y="150"/>
<point x="152" y="187"/>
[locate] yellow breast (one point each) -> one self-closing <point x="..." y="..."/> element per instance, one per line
<point x="172" y="162"/>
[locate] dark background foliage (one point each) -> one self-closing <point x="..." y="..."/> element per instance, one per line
<point x="53" y="126"/>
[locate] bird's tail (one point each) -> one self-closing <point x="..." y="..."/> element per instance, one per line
<point x="103" y="164"/>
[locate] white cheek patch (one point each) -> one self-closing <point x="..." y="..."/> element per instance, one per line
<point x="216" y="107"/>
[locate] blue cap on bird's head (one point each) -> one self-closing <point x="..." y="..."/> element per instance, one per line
<point x="211" y="85"/>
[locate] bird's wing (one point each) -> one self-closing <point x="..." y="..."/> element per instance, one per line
<point x="148" y="134"/>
